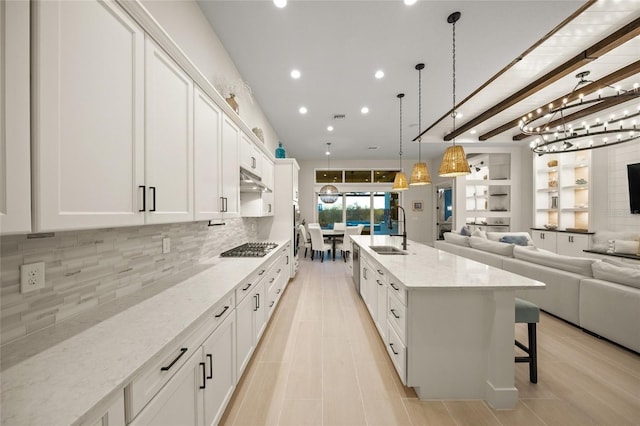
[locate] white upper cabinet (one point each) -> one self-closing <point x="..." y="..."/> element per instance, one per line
<point x="207" y="150"/>
<point x="168" y="139"/>
<point x="250" y="155"/>
<point x="15" y="180"/>
<point x="88" y="121"/>
<point x="267" y="171"/>
<point x="230" y="171"/>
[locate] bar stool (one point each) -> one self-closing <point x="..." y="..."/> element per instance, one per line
<point x="529" y="313"/>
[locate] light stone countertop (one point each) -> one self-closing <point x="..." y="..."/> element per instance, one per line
<point x="74" y="380"/>
<point x="427" y="267"/>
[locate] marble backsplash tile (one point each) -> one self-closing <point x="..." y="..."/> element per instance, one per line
<point x="86" y="268"/>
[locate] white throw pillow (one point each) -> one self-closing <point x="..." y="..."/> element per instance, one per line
<point x="503" y="249"/>
<point x="479" y="233"/>
<point x="622" y="263"/>
<point x="495" y="236"/>
<point x="625" y="246"/>
<point x="577" y="265"/>
<point x="616" y="274"/>
<point x="601" y="239"/>
<point x="457" y="239"/>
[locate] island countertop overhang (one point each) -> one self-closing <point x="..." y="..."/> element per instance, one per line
<point x="427" y="267"/>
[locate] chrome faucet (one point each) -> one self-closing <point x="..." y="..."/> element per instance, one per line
<point x="404" y="229"/>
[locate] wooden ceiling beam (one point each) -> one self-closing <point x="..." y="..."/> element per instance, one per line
<point x="585" y="112"/>
<point x="608" y="80"/>
<point x="617" y="38"/>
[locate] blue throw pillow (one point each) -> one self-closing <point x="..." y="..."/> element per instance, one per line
<point x="519" y="240"/>
<point x="465" y="231"/>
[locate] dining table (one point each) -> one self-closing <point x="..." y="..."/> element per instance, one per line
<point x="333" y="235"/>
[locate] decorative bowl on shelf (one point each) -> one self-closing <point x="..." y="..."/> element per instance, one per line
<point x="581" y="181"/>
<point x="552" y="163"/>
<point x="551" y="226"/>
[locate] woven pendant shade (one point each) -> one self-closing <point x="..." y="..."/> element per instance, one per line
<point x="454" y="162"/>
<point x="400" y="182"/>
<point x="420" y="174"/>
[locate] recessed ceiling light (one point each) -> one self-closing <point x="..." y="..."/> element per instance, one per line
<point x="372" y="148"/>
<point x="330" y="128"/>
<point x="458" y="114"/>
<point x="379" y="74"/>
<point x="473" y="131"/>
<point x="364" y="110"/>
<point x="295" y="74"/>
<point x="410" y="2"/>
<point x="303" y="110"/>
<point x="280" y="3"/>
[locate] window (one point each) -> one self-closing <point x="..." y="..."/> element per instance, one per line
<point x="357" y="176"/>
<point x="329" y="176"/>
<point x="362" y="208"/>
<point x="328" y="214"/>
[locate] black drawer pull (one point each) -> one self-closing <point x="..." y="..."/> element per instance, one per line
<point x="247" y="287"/>
<point x="394" y="287"/>
<point x="380" y="272"/>
<point x="393" y="350"/>
<point x="278" y="271"/>
<point x="153" y="188"/>
<point x="262" y="272"/>
<point x="210" y="357"/>
<point x="379" y="282"/>
<point x="221" y="313"/>
<point x="182" y="352"/>
<point x="393" y="311"/>
<point x="144" y="198"/>
<point x="279" y="290"/>
<point x="273" y="302"/>
<point x="204" y="376"/>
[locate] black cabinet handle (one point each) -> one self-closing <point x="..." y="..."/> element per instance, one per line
<point x="247" y="287"/>
<point x="380" y="272"/>
<point x="226" y="204"/>
<point x="182" y="352"/>
<point x="153" y="188"/>
<point x="278" y="271"/>
<point x="364" y="272"/>
<point x="210" y="357"/>
<point x="394" y="287"/>
<point x="379" y="282"/>
<point x="279" y="290"/>
<point x="393" y="350"/>
<point x="256" y="297"/>
<point x="221" y="313"/>
<point x="393" y="311"/>
<point x="221" y="204"/>
<point x="262" y="272"/>
<point x="144" y="198"/>
<point x="271" y="280"/>
<point x="287" y="260"/>
<point x="204" y="376"/>
<point x="273" y="302"/>
<point x="258" y="300"/>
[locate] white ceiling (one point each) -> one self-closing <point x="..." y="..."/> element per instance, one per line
<point x="338" y="45"/>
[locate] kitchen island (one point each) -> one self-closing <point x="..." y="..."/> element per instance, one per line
<point x="447" y="321"/>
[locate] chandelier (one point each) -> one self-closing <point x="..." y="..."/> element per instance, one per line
<point x="328" y="193"/>
<point x="558" y="134"/>
<point x="400" y="181"/>
<point x="454" y="163"/>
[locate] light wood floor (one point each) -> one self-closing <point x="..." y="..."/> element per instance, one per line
<point x="321" y="362"/>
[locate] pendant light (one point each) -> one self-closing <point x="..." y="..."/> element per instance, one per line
<point x="400" y="181"/>
<point x="420" y="173"/>
<point x="454" y="163"/>
<point x="328" y="193"/>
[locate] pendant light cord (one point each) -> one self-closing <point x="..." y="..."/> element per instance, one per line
<point x="420" y="114"/>
<point x="454" y="112"/>
<point x="400" y="97"/>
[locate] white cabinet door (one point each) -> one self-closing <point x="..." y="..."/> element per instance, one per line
<point x="573" y="244"/>
<point x="261" y="313"/>
<point x="244" y="332"/>
<point x="15" y="167"/>
<point x="169" y="139"/>
<point x="88" y="121"/>
<point x="250" y="155"/>
<point x="381" y="288"/>
<point x="179" y="401"/>
<point x="295" y="183"/>
<point x="544" y="239"/>
<point x="230" y="169"/>
<point x="267" y="171"/>
<point x="219" y="357"/>
<point x="207" y="164"/>
<point x="267" y="204"/>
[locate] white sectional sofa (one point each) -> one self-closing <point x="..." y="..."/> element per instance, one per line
<point x="608" y="308"/>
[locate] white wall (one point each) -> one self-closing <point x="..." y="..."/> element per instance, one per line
<point x="616" y="211"/>
<point x="188" y="27"/>
<point x="419" y="223"/>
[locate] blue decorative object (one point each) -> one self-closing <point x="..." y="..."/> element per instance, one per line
<point x="520" y="240"/>
<point x="280" y="152"/>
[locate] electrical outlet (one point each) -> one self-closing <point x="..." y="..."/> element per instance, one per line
<point x="31" y="277"/>
<point x="166" y="245"/>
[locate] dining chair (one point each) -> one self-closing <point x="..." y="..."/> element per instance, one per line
<point x="339" y="226"/>
<point x="306" y="241"/>
<point x="360" y="228"/>
<point x="346" y="247"/>
<point x="317" y="243"/>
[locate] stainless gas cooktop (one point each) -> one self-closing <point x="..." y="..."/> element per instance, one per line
<point x="250" y="250"/>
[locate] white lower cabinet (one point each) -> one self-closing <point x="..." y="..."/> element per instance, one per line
<point x="544" y="239"/>
<point x="565" y="243"/>
<point x="251" y="318"/>
<point x="114" y="416"/>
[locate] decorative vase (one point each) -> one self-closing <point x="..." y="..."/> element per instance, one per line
<point x="259" y="133"/>
<point x="231" y="100"/>
<point x="280" y="152"/>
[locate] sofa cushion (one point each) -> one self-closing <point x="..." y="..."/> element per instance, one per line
<point x="497" y="247"/>
<point x="601" y="239"/>
<point x="622" y="263"/>
<point x="495" y="236"/>
<point x="465" y="231"/>
<point x="625" y="246"/>
<point x="608" y="272"/>
<point x="479" y="233"/>
<point x="458" y="239"/>
<point x="519" y="240"/>
<point x="577" y="265"/>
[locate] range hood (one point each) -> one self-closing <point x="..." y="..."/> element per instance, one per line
<point x="250" y="182"/>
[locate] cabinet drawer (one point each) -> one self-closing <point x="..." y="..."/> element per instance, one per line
<point x="145" y="386"/>
<point x="222" y="310"/>
<point x="398" y="290"/>
<point x="398" y="353"/>
<point x="249" y="284"/>
<point x="396" y="314"/>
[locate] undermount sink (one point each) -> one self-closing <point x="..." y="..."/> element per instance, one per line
<point x="387" y="250"/>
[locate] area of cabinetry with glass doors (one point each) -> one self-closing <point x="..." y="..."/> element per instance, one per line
<point x="562" y="191"/>
<point x="488" y="192"/>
